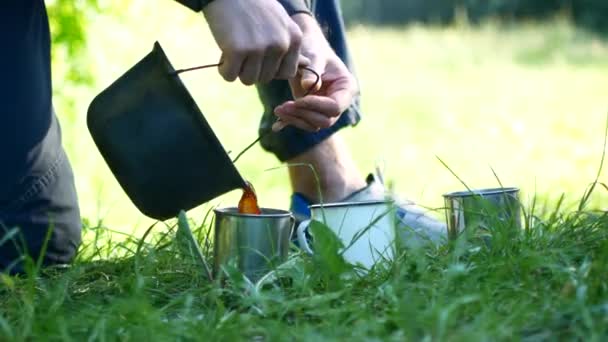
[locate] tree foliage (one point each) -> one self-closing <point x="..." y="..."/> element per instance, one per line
<point x="70" y="63"/>
<point x="588" y="13"/>
<point x="68" y="19"/>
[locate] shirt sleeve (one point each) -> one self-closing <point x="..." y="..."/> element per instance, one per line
<point x="295" y="6"/>
<point x="195" y="5"/>
<point x="291" y="6"/>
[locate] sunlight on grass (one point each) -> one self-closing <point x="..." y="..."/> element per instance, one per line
<point x="528" y="101"/>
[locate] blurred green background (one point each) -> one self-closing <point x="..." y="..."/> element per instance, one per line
<point x="590" y="14"/>
<point x="509" y="85"/>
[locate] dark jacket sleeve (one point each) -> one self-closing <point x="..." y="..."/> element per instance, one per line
<point x="195" y="5"/>
<point x="291" y="6"/>
<point x="295" y="6"/>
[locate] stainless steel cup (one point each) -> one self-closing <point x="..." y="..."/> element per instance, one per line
<point x="255" y="244"/>
<point x="482" y="209"/>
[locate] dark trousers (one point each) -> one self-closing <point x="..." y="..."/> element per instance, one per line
<point x="42" y="206"/>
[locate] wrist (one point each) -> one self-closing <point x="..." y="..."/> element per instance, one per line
<point x="293" y="7"/>
<point x="306" y="22"/>
<point x="312" y="33"/>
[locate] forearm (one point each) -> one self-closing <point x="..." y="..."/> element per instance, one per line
<point x="291" y="6"/>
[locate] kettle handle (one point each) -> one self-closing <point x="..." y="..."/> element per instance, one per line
<point x="179" y="71"/>
<point x="261" y="136"/>
<point x="303" y="65"/>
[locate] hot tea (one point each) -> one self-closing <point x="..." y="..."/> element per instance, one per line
<point x="249" y="201"/>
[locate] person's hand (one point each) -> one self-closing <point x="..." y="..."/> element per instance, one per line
<point x="259" y="41"/>
<point x="331" y="96"/>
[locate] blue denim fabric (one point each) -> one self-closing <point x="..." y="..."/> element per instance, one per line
<point x="291" y="141"/>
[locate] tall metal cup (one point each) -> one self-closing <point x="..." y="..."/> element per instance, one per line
<point x="255" y="244"/>
<point x="482" y="209"/>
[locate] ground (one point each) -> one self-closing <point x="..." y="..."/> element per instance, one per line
<point x="527" y="100"/>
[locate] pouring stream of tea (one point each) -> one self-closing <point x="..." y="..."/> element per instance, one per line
<point x="261" y="136"/>
<point x="248" y="204"/>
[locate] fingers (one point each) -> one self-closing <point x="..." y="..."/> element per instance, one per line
<point x="251" y="69"/>
<point x="231" y="65"/>
<point x="323" y="108"/>
<point x="271" y="63"/>
<point x="297" y="122"/>
<point x="309" y="80"/>
<point x="262" y="62"/>
<point x="339" y="90"/>
<point x="343" y="98"/>
<point x="289" y="113"/>
<point x="278" y="125"/>
<point x="310" y="74"/>
<point x="325" y="105"/>
<point x="343" y="91"/>
<point x="246" y="30"/>
<point x="308" y="70"/>
<point x="303" y="61"/>
<point x="289" y="64"/>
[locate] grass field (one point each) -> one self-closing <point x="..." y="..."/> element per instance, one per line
<point x="528" y="101"/>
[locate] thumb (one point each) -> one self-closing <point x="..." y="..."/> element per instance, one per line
<point x="310" y="80"/>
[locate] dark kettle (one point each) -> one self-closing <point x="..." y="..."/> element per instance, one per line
<point x="157" y="142"/>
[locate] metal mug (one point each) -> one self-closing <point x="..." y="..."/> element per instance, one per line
<point x="482" y="209"/>
<point x="255" y="244"/>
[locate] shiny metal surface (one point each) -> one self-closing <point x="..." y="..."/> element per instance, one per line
<point x="482" y="209"/>
<point x="254" y="244"/>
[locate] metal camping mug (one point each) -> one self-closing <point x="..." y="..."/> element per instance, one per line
<point x="255" y="244"/>
<point x="482" y="209"/>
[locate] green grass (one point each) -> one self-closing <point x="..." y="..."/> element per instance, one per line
<point x="543" y="283"/>
<point x="528" y="101"/>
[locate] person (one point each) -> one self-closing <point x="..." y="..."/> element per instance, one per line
<point x="38" y="201"/>
<point x="260" y="40"/>
<point x="308" y="131"/>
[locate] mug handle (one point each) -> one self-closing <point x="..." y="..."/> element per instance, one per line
<point x="301" y="232"/>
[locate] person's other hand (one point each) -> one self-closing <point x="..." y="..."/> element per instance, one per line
<point x="258" y="39"/>
<point x="331" y="96"/>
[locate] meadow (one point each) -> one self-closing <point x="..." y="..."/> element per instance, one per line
<point x="527" y="101"/>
